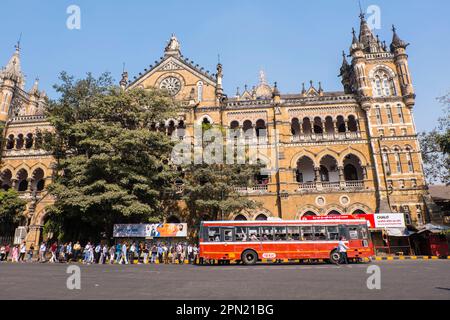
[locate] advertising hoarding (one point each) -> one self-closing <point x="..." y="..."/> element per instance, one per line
<point x="156" y="230"/>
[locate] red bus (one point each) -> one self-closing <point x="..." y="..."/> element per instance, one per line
<point x="252" y="241"/>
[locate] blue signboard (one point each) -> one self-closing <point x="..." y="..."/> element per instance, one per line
<point x="129" y="230"/>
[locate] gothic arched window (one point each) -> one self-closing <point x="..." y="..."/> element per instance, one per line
<point x="383" y="84"/>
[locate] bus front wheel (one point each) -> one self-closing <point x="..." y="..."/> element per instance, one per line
<point x="335" y="257"/>
<point x="249" y="257"/>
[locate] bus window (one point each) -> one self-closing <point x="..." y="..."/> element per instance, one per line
<point x="254" y="233"/>
<point x="320" y="233"/>
<point x="241" y="234"/>
<point x="333" y="233"/>
<point x="293" y="234"/>
<point x="280" y="234"/>
<point x="267" y="234"/>
<point x="214" y="234"/>
<point x="363" y="232"/>
<point x="307" y="233"/>
<point x="353" y="232"/>
<point x="227" y="235"/>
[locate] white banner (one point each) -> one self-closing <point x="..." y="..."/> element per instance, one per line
<point x="390" y="220"/>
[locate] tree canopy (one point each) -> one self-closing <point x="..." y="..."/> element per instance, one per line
<point x="435" y="147"/>
<point x="210" y="191"/>
<point x="11" y="208"/>
<point x="111" y="167"/>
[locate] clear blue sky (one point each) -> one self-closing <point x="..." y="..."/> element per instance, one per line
<point x="293" y="41"/>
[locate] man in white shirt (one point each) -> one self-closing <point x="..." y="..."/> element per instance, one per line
<point x="23" y="251"/>
<point x="42" y="250"/>
<point x="124" y="257"/>
<point x="342" y="248"/>
<point x="132" y="253"/>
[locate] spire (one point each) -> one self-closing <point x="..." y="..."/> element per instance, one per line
<point x="276" y="92"/>
<point x="124" y="81"/>
<point x="13" y="69"/>
<point x="219" y="78"/>
<point x="396" y="41"/>
<point x="344" y="62"/>
<point x="35" y="89"/>
<point x="355" y="39"/>
<point x="365" y="34"/>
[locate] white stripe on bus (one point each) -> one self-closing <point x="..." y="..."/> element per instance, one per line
<point x="274" y="242"/>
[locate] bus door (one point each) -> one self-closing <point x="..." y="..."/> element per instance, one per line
<point x="228" y="242"/>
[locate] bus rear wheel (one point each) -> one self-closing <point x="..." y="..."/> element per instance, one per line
<point x="335" y="257"/>
<point x="249" y="257"/>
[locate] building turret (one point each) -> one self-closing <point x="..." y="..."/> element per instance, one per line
<point x="398" y="48"/>
<point x="12" y="73"/>
<point x="11" y="79"/>
<point x="276" y="96"/>
<point x="346" y="74"/>
<point x="34" y="96"/>
<point x="359" y="63"/>
<point x="219" y="79"/>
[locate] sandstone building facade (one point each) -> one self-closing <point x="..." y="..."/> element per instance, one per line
<point x="349" y="152"/>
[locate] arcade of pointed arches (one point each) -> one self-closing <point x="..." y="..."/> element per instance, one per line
<point x="24" y="179"/>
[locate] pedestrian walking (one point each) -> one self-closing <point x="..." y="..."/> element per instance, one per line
<point x="342" y="248"/>
<point x="104" y="254"/>
<point x="112" y="252"/>
<point x="166" y="254"/>
<point x="160" y="253"/>
<point x="97" y="253"/>
<point x="145" y="252"/>
<point x="87" y="253"/>
<point x="196" y="253"/>
<point x="91" y="254"/>
<point x="2" y="252"/>
<point x="190" y="253"/>
<point x="22" y="252"/>
<point x="30" y="253"/>
<point x="118" y="252"/>
<point x="154" y="254"/>
<point x="69" y="252"/>
<point x="76" y="251"/>
<point x="15" y="254"/>
<point x="123" y="254"/>
<point x="7" y="251"/>
<point x="53" y="249"/>
<point x="131" y="253"/>
<point x="42" y="250"/>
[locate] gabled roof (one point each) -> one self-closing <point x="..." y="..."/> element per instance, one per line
<point x="175" y="62"/>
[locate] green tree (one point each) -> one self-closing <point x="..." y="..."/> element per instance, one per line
<point x="444" y="126"/>
<point x="210" y="191"/>
<point x="111" y="167"/>
<point x="435" y="147"/>
<point x="11" y="208"/>
<point x="2" y="140"/>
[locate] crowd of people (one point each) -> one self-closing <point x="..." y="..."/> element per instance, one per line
<point x="101" y="253"/>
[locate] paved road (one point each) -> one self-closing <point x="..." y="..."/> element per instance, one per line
<point x="399" y="280"/>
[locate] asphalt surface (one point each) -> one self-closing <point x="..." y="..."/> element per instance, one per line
<point x="399" y="280"/>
